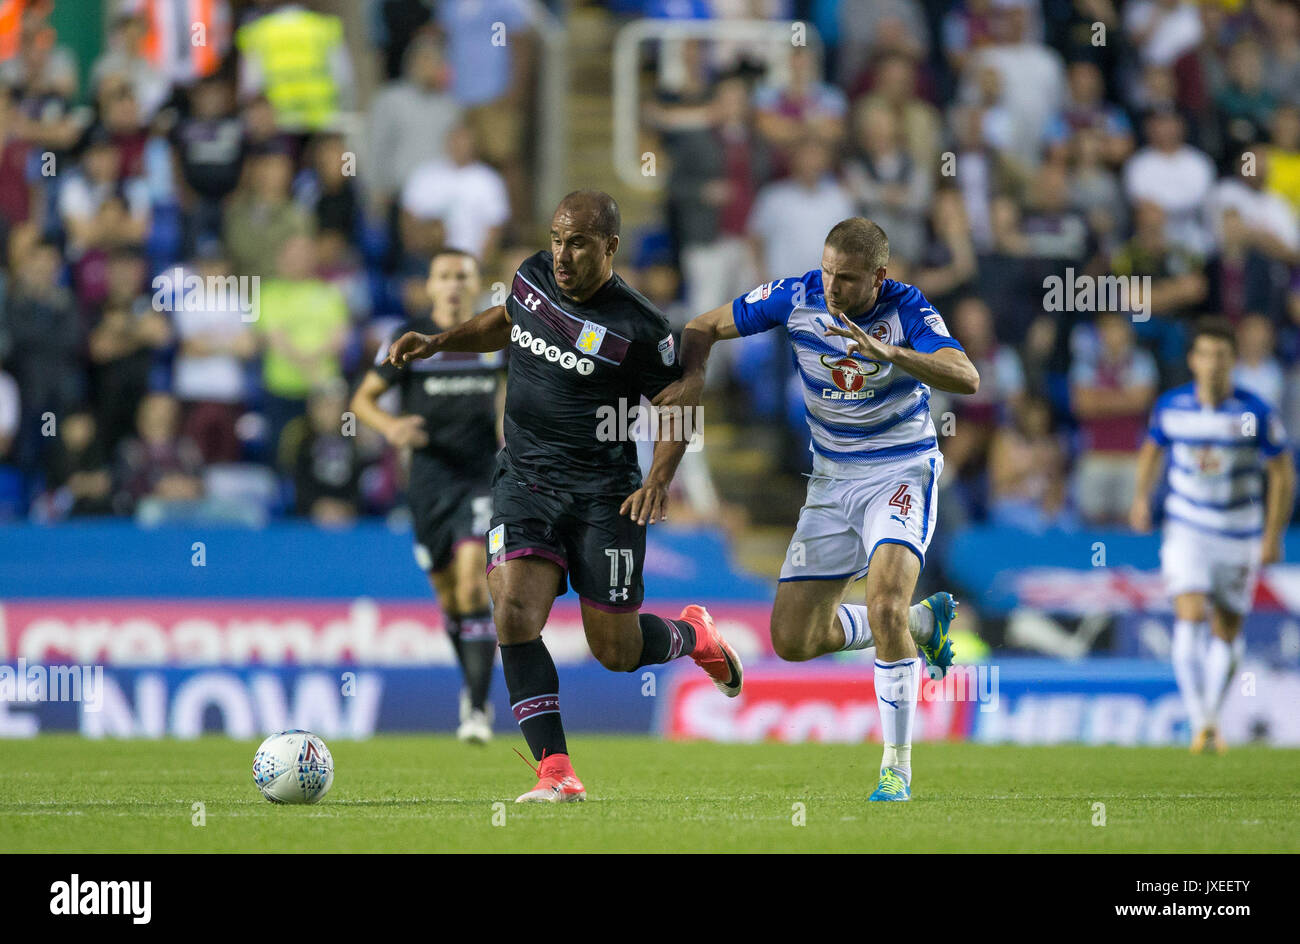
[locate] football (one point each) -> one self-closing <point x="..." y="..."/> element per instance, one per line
<point x="293" y="767"/>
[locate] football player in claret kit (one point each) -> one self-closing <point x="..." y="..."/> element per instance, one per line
<point x="568" y="500"/>
<point x="868" y="350"/>
<point x="448" y="419"/>
<point x="1231" y="481"/>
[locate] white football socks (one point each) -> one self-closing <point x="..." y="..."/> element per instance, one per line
<point x="1221" y="661"/>
<point x="1187" y="651"/>
<point x="857" y="630"/>
<point x="896" y="689"/>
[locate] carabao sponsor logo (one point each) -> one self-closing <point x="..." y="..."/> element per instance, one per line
<point x="849" y="375"/>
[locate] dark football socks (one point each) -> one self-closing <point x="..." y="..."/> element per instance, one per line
<point x="663" y="640"/>
<point x="534" y="688"/>
<point x="452" y="622"/>
<point x="477" y="652"/>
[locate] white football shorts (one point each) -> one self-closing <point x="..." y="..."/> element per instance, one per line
<point x="1224" y="569"/>
<point x="844" y="520"/>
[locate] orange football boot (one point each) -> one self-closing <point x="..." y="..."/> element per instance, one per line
<point x="712" y="654"/>
<point x="556" y="782"/>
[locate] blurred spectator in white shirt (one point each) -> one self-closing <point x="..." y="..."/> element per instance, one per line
<point x="1257" y="367"/>
<point x="1176" y="177"/>
<point x="1163" y="30"/>
<point x="465" y="194"/>
<point x="1270" y="220"/>
<point x="125" y="57"/>
<point x="10" y="413"/>
<point x="791" y="217"/>
<point x="214" y="343"/>
<point x="1032" y="80"/>
<point x="805" y="107"/>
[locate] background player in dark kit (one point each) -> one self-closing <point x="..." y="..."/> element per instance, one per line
<point x="448" y="419"/>
<point x="567" y="500"/>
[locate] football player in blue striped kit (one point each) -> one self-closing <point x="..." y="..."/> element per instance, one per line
<point x="868" y="349"/>
<point x="1231" y="483"/>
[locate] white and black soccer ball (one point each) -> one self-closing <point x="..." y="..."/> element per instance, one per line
<point x="293" y="767"/>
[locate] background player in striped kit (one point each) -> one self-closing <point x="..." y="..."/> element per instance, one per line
<point x="450" y="406"/>
<point x="1231" y="484"/>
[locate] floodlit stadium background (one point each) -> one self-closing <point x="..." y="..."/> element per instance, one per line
<point x="181" y="506"/>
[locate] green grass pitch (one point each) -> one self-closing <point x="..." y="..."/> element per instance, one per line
<point x="406" y="794"/>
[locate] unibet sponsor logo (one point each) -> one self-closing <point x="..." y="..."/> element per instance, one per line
<point x="538" y="346"/>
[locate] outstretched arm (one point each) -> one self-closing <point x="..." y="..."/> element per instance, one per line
<point x="487" y="331"/>
<point x="698" y="338"/>
<point x="945" y="369"/>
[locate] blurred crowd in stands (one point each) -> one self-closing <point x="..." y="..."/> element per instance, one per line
<point x="1001" y="143"/>
<point x="225" y="140"/>
<point x="998" y="142"/>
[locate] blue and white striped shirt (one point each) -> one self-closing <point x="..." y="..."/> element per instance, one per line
<point x="860" y="411"/>
<point x="1216" y="459"/>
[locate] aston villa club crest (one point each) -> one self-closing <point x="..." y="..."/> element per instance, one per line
<point x="589" y="340"/>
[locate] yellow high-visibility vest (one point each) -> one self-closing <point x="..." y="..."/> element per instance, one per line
<point x="294" y="49"/>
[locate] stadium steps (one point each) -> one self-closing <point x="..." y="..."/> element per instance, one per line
<point x="591" y="38"/>
<point x="743" y="460"/>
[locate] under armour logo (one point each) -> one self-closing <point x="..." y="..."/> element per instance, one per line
<point x="533" y="302"/>
<point x="618" y="596"/>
